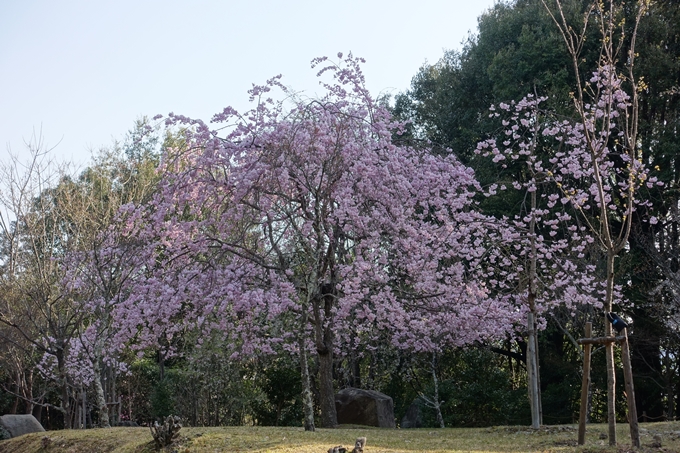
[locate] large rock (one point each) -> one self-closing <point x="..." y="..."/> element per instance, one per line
<point x="364" y="407"/>
<point x="17" y="425"/>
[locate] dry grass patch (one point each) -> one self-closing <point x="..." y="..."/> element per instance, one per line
<point x="656" y="438"/>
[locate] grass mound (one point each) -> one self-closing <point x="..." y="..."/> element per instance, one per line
<point x="656" y="438"/>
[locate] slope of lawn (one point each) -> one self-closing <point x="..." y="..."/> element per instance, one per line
<point x="656" y="437"/>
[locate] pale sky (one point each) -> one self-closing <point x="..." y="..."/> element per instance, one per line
<point x="83" y="71"/>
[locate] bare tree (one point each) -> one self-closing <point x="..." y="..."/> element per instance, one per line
<point x="38" y="316"/>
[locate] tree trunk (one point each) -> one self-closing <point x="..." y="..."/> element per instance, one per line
<point x="29" y="392"/>
<point x="161" y="365"/>
<point x="102" y="407"/>
<point x="630" y="392"/>
<point x="307" y="400"/>
<point x="532" y="373"/>
<point x="76" y="409"/>
<point x="538" y="379"/>
<point x="83" y="413"/>
<point x="37" y="412"/>
<point x="109" y="387"/>
<point x="585" y="388"/>
<point x="323" y="330"/>
<point x="609" y="351"/>
<point x="532" y="345"/>
<point x="436" y="402"/>
<point x="355" y="364"/>
<point x="63" y="381"/>
<point x="329" y="417"/>
<point x="670" y="390"/>
<point x="18" y="386"/>
<point x="131" y="397"/>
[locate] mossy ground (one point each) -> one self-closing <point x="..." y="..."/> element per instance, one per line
<point x="656" y="437"/>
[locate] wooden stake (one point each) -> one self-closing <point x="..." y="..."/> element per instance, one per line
<point x="585" y="385"/>
<point x="600" y="340"/>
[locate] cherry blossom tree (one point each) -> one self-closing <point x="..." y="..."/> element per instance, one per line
<point x="601" y="166"/>
<point x="554" y="251"/>
<point x="592" y="163"/>
<point x="96" y="272"/>
<point x="287" y="227"/>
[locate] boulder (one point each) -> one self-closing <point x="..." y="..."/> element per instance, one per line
<point x="364" y="407"/>
<point x="20" y="424"/>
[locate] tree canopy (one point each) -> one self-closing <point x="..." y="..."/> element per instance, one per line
<point x="244" y="269"/>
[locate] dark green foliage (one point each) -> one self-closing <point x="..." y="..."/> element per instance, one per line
<point x="478" y="392"/>
<point x="162" y="403"/>
<point x="653" y="265"/>
<point x="476" y="386"/>
<point x="560" y="368"/>
<point x="659" y="66"/>
<point x="210" y="390"/>
<point x="517" y="51"/>
<point x="203" y="391"/>
<point x="6" y="400"/>
<point x="523" y="52"/>
<point x="647" y="332"/>
<point x="281" y="383"/>
<point x="402" y="387"/>
<point x="137" y="388"/>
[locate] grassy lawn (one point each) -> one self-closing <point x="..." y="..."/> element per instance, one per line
<point x="655" y="437"/>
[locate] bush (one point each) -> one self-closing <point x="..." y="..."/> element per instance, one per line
<point x="281" y="383"/>
<point x="165" y="434"/>
<point x="470" y="401"/>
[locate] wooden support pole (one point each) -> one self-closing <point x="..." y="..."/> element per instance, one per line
<point x="585" y="385"/>
<point x="600" y="340"/>
<point x="630" y="391"/>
